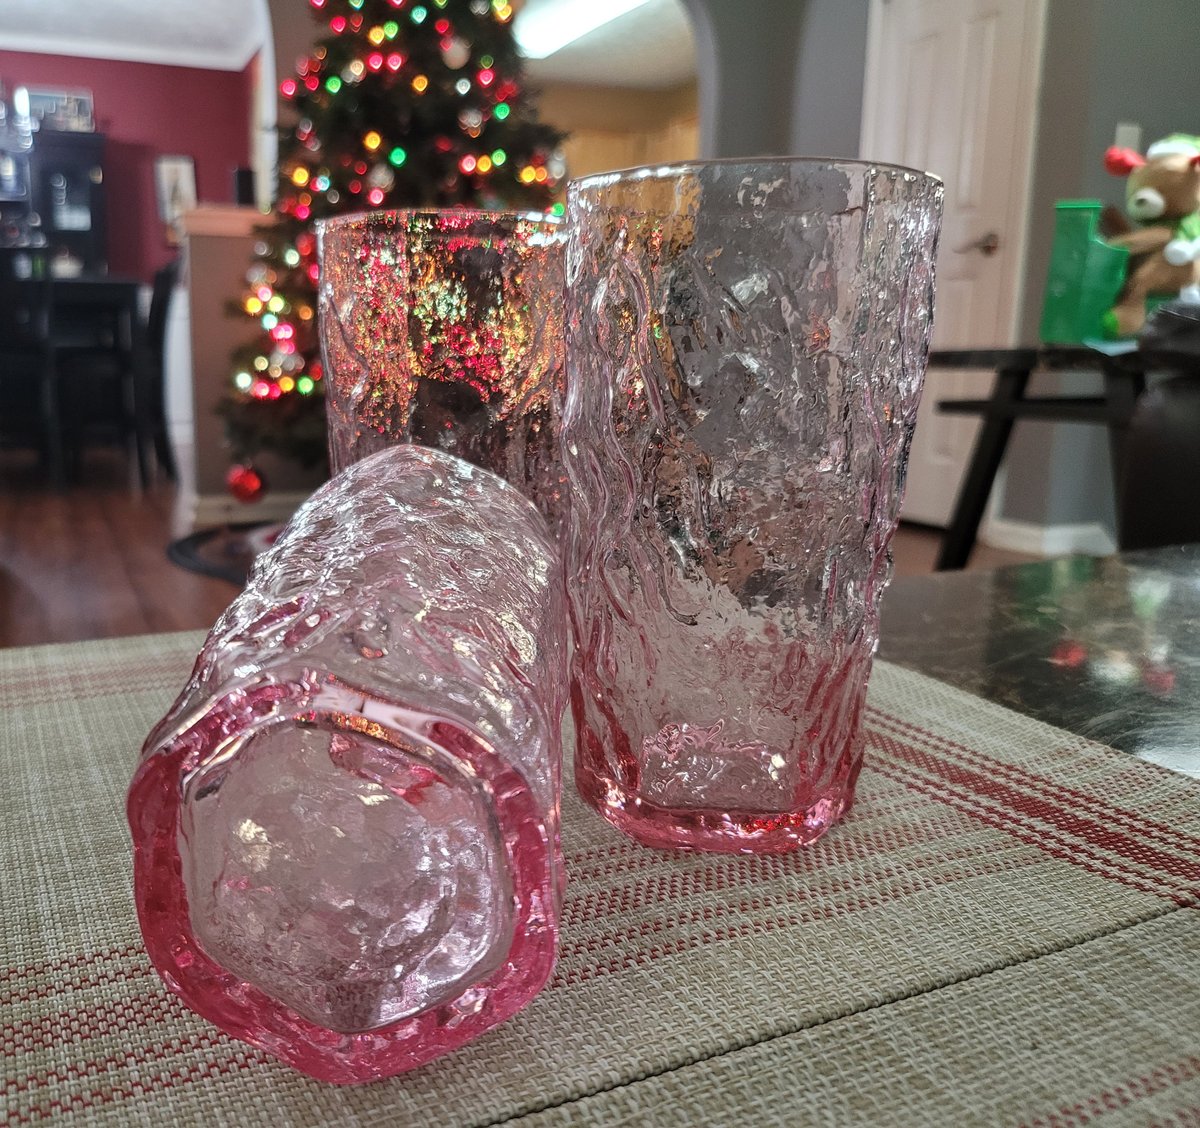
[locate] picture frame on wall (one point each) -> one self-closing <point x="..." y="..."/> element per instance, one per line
<point x="175" y="188"/>
<point x="61" y="111"/>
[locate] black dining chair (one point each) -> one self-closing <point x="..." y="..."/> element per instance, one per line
<point x="151" y="377"/>
<point x="29" y="415"/>
<point x="94" y="358"/>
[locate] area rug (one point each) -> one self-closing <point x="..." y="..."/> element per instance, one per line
<point x="225" y="553"/>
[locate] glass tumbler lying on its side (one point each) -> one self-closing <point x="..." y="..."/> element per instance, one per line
<point x="746" y="344"/>
<point x="346" y="828"/>
<point x="444" y="328"/>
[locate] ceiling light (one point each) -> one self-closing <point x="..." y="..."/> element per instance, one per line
<point x="550" y="27"/>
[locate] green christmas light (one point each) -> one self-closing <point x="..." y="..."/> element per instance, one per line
<point x="559" y="209"/>
<point x="397" y="156"/>
<point x="304" y="385"/>
<point x="391" y="29"/>
<point x="499" y="156"/>
<point x="486" y="60"/>
<point x="501" y="111"/>
<point x="356" y="4"/>
<point x="418" y="15"/>
<point x="333" y="84"/>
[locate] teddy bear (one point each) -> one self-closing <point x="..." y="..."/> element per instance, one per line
<point x="1162" y="196"/>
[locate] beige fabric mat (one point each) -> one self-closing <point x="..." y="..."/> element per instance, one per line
<point x="1003" y="931"/>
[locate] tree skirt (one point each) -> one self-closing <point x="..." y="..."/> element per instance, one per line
<point x="225" y="553"/>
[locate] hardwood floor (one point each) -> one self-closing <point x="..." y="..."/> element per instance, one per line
<point x="915" y="552"/>
<point x="90" y="562"/>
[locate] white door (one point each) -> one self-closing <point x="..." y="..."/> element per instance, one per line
<point x="951" y="89"/>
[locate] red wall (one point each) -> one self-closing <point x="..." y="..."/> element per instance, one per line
<point x="146" y="110"/>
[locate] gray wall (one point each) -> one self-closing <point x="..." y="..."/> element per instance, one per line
<point x="779" y="76"/>
<point x="831" y="71"/>
<point x="1105" y="61"/>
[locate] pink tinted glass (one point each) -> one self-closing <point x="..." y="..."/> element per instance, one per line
<point x="445" y="328"/>
<point x="746" y="345"/>
<point x="346" y="827"/>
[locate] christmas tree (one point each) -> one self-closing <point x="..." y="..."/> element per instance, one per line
<point x="402" y="103"/>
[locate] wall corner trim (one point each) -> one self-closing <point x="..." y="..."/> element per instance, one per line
<point x="1088" y="538"/>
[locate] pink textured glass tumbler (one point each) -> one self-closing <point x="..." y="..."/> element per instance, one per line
<point x="346" y="843"/>
<point x="444" y="328"/>
<point x="746" y="346"/>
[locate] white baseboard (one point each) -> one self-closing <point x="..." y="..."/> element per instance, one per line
<point x="1089" y="538"/>
<point x="207" y="511"/>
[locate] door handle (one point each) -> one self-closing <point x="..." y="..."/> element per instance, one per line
<point x="987" y="245"/>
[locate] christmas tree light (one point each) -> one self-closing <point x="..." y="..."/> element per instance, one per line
<point x="395" y="106"/>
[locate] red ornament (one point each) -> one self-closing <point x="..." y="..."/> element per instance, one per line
<point x="245" y="483"/>
<point x="1159" y="680"/>
<point x="1070" y="654"/>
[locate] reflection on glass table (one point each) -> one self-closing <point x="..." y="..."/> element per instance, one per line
<point x="1108" y="648"/>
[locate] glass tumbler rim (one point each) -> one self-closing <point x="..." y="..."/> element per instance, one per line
<point x="671" y="169"/>
<point x="384" y="216"/>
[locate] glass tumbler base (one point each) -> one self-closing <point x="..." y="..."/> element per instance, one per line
<point x="329" y="988"/>
<point x="724" y="832"/>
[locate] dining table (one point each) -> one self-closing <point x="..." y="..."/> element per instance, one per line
<point x="91" y="317"/>
<point x="1004" y="928"/>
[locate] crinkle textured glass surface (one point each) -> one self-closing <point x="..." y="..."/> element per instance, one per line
<point x="346" y="828"/>
<point x="746" y="348"/>
<point x="444" y="328"/>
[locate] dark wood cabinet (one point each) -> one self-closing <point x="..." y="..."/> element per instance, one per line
<point x="67" y="187"/>
<point x="52" y="196"/>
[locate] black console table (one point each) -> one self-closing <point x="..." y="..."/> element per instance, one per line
<point x="1124" y="379"/>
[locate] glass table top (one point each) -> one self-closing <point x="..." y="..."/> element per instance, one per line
<point x="1106" y="647"/>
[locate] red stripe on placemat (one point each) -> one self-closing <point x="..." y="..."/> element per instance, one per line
<point x="645" y="956"/>
<point x="27" y="1035"/>
<point x="830" y="850"/>
<point x="1094" y="835"/>
<point x="209" y="1039"/>
<point x="172" y="1079"/>
<point x="669" y="885"/>
<point x="1122" y="1095"/>
<point x="78" y="983"/>
<point x="83" y="959"/>
<point x="806" y="912"/>
<point x="1134" y="821"/>
<point x="1046" y="841"/>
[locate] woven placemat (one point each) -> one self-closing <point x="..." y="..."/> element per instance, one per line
<point x="990" y="866"/>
